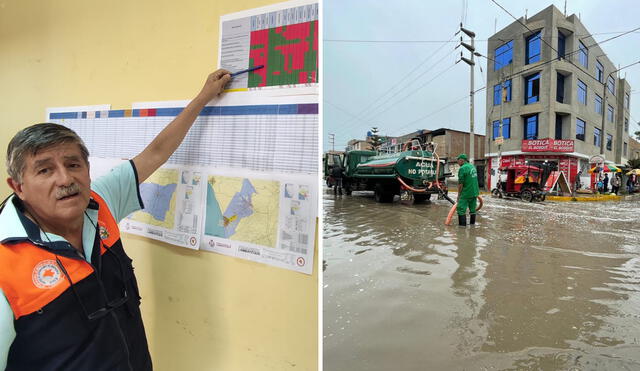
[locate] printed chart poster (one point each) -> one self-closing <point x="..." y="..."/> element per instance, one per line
<point x="282" y="38"/>
<point x="262" y="220"/>
<point x="171" y="198"/>
<point x="200" y="199"/>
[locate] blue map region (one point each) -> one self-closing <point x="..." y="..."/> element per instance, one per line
<point x="157" y="199"/>
<point x="214" y="224"/>
<point x="224" y="224"/>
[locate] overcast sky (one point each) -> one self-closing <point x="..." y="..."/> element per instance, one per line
<point x="413" y="82"/>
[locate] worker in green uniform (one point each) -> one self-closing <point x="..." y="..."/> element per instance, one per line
<point x="467" y="190"/>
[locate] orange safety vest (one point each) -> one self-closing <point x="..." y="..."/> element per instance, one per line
<point x="69" y="313"/>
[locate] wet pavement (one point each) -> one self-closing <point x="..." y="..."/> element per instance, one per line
<point x="539" y="286"/>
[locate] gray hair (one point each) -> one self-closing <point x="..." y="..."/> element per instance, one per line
<point x="35" y="138"/>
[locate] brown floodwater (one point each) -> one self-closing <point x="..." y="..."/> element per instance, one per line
<point x="533" y="286"/>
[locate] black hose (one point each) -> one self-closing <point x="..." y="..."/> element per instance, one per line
<point x="447" y="197"/>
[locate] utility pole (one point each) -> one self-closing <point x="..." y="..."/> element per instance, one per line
<point x="332" y="140"/>
<point x="471" y="63"/>
<point x="502" y="100"/>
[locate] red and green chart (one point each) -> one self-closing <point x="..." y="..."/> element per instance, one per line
<point x="289" y="54"/>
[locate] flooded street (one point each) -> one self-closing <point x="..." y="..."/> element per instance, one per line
<point x="540" y="286"/>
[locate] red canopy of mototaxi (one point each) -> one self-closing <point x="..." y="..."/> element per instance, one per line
<point x="520" y="168"/>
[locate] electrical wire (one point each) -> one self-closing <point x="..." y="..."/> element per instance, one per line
<point x="373" y="103"/>
<point x="379" y="110"/>
<point x="439" y="110"/>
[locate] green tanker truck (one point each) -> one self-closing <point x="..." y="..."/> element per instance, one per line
<point x="410" y="173"/>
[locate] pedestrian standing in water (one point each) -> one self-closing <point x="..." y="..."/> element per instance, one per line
<point x="336" y="174"/>
<point x="468" y="191"/>
<point x="615" y="184"/>
<point x="605" y="183"/>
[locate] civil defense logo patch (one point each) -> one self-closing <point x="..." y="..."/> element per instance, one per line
<point x="104" y="233"/>
<point x="46" y="274"/>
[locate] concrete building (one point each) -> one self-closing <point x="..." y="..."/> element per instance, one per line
<point x="634" y="149"/>
<point x="554" y="97"/>
<point x="361" y="145"/>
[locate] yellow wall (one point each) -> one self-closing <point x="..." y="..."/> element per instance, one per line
<point x="202" y="311"/>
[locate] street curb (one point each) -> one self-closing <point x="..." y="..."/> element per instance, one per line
<point x="598" y="198"/>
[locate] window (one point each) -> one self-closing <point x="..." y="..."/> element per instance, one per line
<point x="626" y="100"/>
<point x="532" y="84"/>
<point x="582" y="92"/>
<point x="624" y="153"/>
<point x="504" y="55"/>
<point x="506" y="128"/>
<point x="626" y="124"/>
<point x="507" y="88"/>
<point x="560" y="89"/>
<point x="599" y="72"/>
<point x="533" y="48"/>
<point x="598" y="104"/>
<point x="596" y="137"/>
<point x="611" y="85"/>
<point x="499" y="95"/>
<point x="580" y="129"/>
<point x="609" y="142"/>
<point x="561" y="44"/>
<point x="531" y="127"/>
<point x="583" y="55"/>
<point x="609" y="113"/>
<point x="558" y="127"/>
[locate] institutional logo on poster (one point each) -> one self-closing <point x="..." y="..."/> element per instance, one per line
<point x="46" y="274"/>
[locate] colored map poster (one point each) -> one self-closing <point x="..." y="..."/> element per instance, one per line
<point x="242" y="209"/>
<point x="158" y="195"/>
<point x="284" y="39"/>
<point x="289" y="54"/>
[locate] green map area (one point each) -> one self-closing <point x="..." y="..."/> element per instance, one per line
<point x="242" y="209"/>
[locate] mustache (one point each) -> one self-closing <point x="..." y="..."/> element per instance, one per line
<point x="67" y="191"/>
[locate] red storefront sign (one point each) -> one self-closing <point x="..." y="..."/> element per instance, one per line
<point x="547" y="145"/>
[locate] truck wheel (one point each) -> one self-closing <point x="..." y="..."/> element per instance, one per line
<point x="382" y="194"/>
<point x="526" y="195"/>
<point x="419" y="198"/>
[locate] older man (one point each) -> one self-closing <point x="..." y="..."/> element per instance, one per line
<point x="468" y="191"/>
<point x="68" y="295"/>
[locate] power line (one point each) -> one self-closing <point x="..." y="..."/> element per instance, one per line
<point x="611" y="38"/>
<point x="405" y="77"/>
<point x="537" y="66"/>
<point x="375" y="111"/>
<point x="338" y="107"/>
<point x="365" y="41"/>
<point x="387" y="41"/>
<point x="439" y="110"/>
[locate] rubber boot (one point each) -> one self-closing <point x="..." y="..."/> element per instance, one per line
<point x="462" y="220"/>
<point x="472" y="219"/>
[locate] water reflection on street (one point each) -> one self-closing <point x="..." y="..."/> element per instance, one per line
<point x="532" y="286"/>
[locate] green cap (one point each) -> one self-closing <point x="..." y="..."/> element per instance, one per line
<point x="462" y="156"/>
